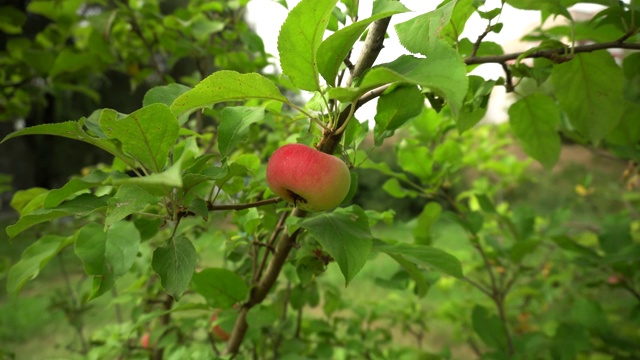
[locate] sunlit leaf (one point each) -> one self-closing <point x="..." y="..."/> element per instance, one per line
<point x="334" y="49"/>
<point x="420" y="34"/>
<point x="299" y="39"/>
<point x="147" y="134"/>
<point x="226" y="85"/>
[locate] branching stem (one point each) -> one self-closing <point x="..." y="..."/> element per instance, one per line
<point x="553" y="54"/>
<point x="328" y="144"/>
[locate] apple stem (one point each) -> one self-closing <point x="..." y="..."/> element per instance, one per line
<point x="297" y="198"/>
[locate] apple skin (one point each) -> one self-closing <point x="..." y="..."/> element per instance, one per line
<point x="217" y="332"/>
<point x="308" y="178"/>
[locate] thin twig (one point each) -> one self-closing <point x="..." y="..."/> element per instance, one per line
<point x="279" y="226"/>
<point x="225" y="207"/>
<point x="478" y="286"/>
<point x="552" y="54"/>
<point x="476" y="45"/>
<point x="508" y="84"/>
<point x="212" y="207"/>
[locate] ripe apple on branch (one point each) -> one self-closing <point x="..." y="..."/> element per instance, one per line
<point x="308" y="178"/>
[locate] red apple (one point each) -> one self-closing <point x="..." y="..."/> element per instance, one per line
<point x="144" y="340"/>
<point x="308" y="178"/>
<point x="216" y="330"/>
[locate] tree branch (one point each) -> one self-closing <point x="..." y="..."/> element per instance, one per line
<point x="372" y="46"/>
<point x="328" y="144"/>
<point x="262" y="288"/>
<point x="212" y="207"/>
<point x="554" y="53"/>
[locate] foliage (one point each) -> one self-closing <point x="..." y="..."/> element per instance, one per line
<point x="181" y="223"/>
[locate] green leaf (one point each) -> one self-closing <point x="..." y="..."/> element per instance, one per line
<point x="443" y="72"/>
<point x="489" y="328"/>
<point x="33" y="259"/>
<point x="90" y="248"/>
<point x="345" y="235"/>
<point x="476" y="102"/>
<point x="589" y="314"/>
<point x="534" y="120"/>
<point x="383" y="168"/>
<point x="175" y="263"/>
<point x="72" y="130"/>
<point x="107" y="255"/>
<point x="70" y="61"/>
<point x="166" y="94"/>
<point x="392" y="187"/>
<point x="615" y="234"/>
<point x="335" y="48"/>
<point x="422" y="33"/>
<point x="422" y="232"/>
<point x="566" y="243"/>
<point x="415" y="158"/>
<point x="156" y="184"/>
<point x="11" y="20"/>
<point x="234" y="126"/>
<point x="72" y="187"/>
<point x="627" y="132"/>
<point x="569" y="340"/>
<point x="226" y="85"/>
<point x="81" y="205"/>
<point x="147" y="134"/>
<point x="394" y="109"/>
<point x="26" y="201"/>
<point x="121" y="249"/>
<point x="299" y="39"/>
<point x="221" y="288"/>
<point x="461" y="13"/>
<point x="589" y="89"/>
<point x="423" y="255"/>
<point x="128" y="199"/>
<point x="110" y="252"/>
<point x="523" y="248"/>
<point x="422" y="285"/>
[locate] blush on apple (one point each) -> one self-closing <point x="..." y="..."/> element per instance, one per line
<point x="308" y="178"/>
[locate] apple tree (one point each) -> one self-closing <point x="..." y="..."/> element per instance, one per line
<point x="183" y="221"/>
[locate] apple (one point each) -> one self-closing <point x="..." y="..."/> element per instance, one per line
<point x="144" y="340"/>
<point x="217" y="332"/>
<point x="308" y="178"/>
